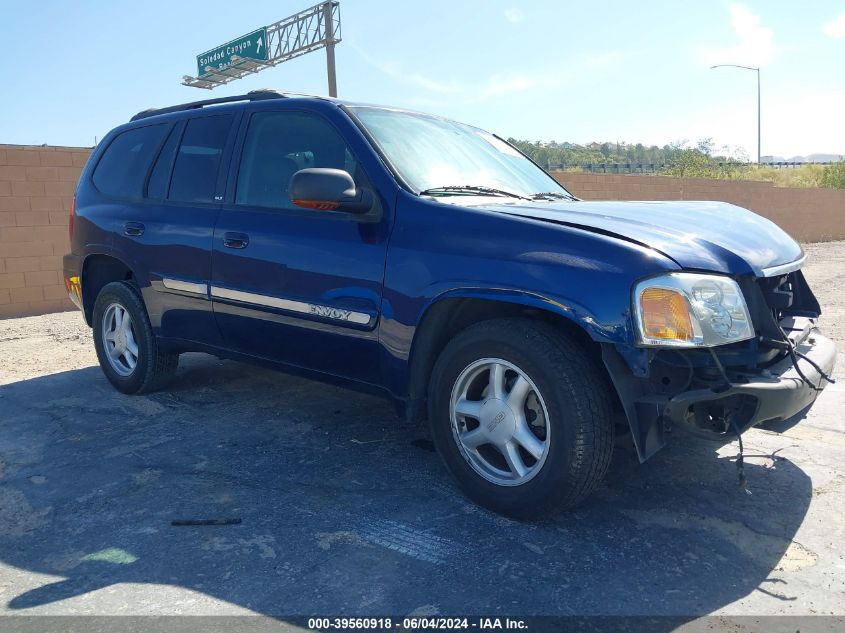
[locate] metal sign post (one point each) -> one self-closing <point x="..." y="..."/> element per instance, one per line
<point x="298" y="34"/>
<point x="328" y="26"/>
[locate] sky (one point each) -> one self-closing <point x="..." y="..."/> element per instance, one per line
<point x="540" y="70"/>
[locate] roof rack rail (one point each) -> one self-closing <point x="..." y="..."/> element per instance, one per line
<point x="253" y="95"/>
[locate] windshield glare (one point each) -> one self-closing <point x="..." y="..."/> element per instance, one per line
<point x="430" y="152"/>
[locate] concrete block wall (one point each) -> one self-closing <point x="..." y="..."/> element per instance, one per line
<point x="36" y="190"/>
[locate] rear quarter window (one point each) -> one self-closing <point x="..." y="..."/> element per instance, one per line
<point x="123" y="168"/>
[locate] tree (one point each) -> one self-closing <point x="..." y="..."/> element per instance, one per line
<point x="541" y="157"/>
<point x="639" y="153"/>
<point x="689" y="162"/>
<point x="833" y="176"/>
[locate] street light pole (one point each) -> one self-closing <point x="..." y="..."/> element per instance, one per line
<point x="758" y="97"/>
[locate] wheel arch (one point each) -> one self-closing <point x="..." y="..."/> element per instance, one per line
<point x="453" y="312"/>
<point x="99" y="269"/>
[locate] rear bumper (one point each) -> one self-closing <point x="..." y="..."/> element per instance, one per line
<point x="72" y="267"/>
<point x="779" y="392"/>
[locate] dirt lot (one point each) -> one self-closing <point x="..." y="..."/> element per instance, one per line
<point x="343" y="511"/>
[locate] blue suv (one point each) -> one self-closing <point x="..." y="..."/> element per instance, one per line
<point x="432" y="262"/>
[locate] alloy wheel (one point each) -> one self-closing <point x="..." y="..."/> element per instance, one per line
<point x="500" y="421"/>
<point x="119" y="340"/>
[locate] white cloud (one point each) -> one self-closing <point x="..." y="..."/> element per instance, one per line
<point x="791" y="131"/>
<point x="836" y="27"/>
<point x="507" y="84"/>
<point x="756" y="45"/>
<point x="547" y="79"/>
<point x="472" y="89"/>
<point x="434" y="85"/>
<point x="787" y="130"/>
<point x="603" y="59"/>
<point x="469" y="91"/>
<point x="514" y="15"/>
<point x="395" y="71"/>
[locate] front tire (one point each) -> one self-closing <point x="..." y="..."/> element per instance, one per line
<point x="126" y="346"/>
<point x="521" y="417"/>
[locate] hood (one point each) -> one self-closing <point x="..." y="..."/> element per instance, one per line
<point x="713" y="236"/>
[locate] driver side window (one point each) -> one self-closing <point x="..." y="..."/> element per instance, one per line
<point x="277" y="145"/>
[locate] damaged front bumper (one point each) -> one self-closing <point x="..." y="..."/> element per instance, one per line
<point x="776" y="393"/>
<point x="753" y="396"/>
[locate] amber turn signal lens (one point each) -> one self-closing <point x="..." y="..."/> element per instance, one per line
<point x="319" y="205"/>
<point x="665" y="315"/>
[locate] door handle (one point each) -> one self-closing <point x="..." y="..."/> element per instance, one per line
<point x="235" y="240"/>
<point x="133" y="229"/>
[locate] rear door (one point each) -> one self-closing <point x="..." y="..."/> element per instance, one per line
<point x="166" y="237"/>
<point x="298" y="285"/>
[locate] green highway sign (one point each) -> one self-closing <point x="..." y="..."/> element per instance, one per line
<point x="251" y="46"/>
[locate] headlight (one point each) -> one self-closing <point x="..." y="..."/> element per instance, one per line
<point x="691" y="310"/>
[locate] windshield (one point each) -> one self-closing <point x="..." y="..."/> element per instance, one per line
<point x="450" y="158"/>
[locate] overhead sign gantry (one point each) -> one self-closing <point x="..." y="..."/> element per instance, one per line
<point x="301" y="33"/>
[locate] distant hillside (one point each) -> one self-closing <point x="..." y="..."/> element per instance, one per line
<point x="812" y="158"/>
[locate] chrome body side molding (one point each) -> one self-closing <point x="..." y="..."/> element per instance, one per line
<point x="327" y="312"/>
<point x="185" y="286"/>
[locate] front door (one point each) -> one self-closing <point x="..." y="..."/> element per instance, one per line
<point x="297" y="285"/>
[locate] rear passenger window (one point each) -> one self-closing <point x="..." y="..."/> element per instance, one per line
<point x="123" y="168"/>
<point x="198" y="159"/>
<point x="277" y="145"/>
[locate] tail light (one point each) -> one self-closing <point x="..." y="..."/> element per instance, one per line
<point x="71" y="218"/>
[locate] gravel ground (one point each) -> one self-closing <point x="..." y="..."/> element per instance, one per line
<point x="825" y="272"/>
<point x="344" y="511"/>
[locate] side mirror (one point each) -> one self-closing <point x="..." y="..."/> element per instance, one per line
<point x="326" y="189"/>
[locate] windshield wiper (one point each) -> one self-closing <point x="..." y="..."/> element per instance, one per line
<point x="553" y="194"/>
<point x="470" y="189"/>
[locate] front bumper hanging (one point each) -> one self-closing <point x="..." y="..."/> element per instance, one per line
<point x="779" y="391"/>
<point x="759" y="395"/>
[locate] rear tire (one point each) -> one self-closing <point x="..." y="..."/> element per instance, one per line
<point x="479" y="415"/>
<point x="126" y="346"/>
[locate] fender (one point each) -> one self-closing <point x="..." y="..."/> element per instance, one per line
<point x="97" y="250"/>
<point x="577" y="313"/>
<point x="123" y="257"/>
<point x="408" y="378"/>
